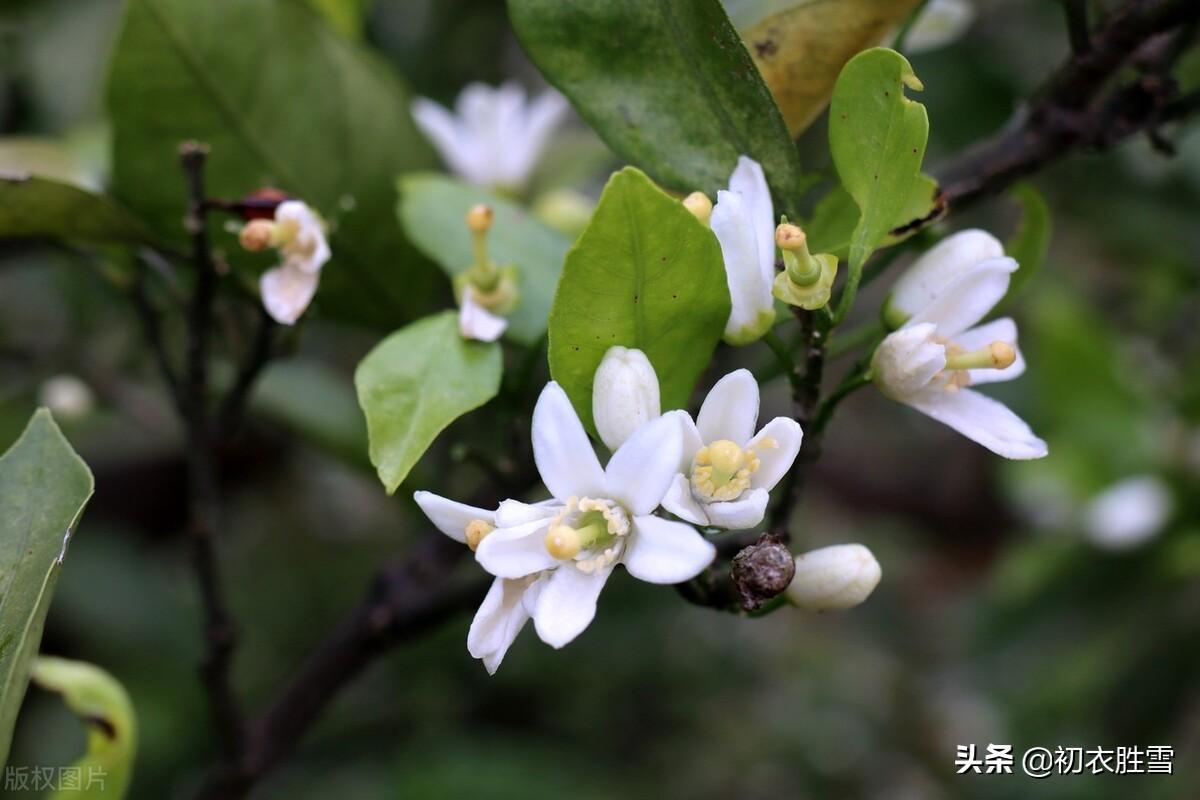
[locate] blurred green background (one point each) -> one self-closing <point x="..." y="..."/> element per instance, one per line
<point x="1003" y="615"/>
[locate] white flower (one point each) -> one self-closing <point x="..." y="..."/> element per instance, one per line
<point x="299" y="235"/>
<point x="508" y="604"/>
<point x="67" y="397"/>
<point x="834" y="578"/>
<point x="744" y="223"/>
<point x="475" y="321"/>
<point x="939" y="23"/>
<point x="929" y="362"/>
<point x="600" y="517"/>
<point x="624" y="395"/>
<point x="727" y="470"/>
<point x="1129" y="513"/>
<point x="495" y="136"/>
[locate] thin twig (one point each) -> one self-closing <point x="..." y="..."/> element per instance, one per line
<point x="202" y="469"/>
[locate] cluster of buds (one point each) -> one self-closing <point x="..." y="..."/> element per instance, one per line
<point x="485" y="291"/>
<point x="806" y="280"/>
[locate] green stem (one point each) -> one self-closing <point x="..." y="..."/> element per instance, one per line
<point x="852" y="383"/>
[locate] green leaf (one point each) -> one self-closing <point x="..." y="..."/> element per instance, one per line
<point x="415" y="383"/>
<point x="877" y="138"/>
<point x="799" y="46"/>
<point x="44" y="486"/>
<point x="836" y="217"/>
<point x="666" y="83"/>
<point x="645" y="274"/>
<point x="433" y="212"/>
<point x="35" y="207"/>
<point x="1031" y="241"/>
<point x="104" y="706"/>
<point x="283" y="100"/>
<point x="344" y="15"/>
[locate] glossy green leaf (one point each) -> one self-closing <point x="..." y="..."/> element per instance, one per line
<point x="1031" y="241"/>
<point x="836" y="216"/>
<point x="667" y="84"/>
<point x="44" y="486"/>
<point x="645" y="274"/>
<point x="433" y="209"/>
<point x="345" y="15"/>
<point x="877" y="138"/>
<point x="102" y="703"/>
<point x="282" y="99"/>
<point x="415" y="383"/>
<point x="36" y="207"/>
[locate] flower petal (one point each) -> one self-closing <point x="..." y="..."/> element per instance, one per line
<point x="939" y="267"/>
<point x="445" y="133"/>
<point x="981" y="419"/>
<point x="513" y="512"/>
<point x="749" y="290"/>
<point x="731" y="409"/>
<point x="748" y="181"/>
<point x="497" y="622"/>
<point x="939" y="23"/>
<point x="741" y="514"/>
<point x="774" y="462"/>
<point x="567" y="603"/>
<point x="449" y="517"/>
<point x="662" y="551"/>
<point x="680" y="501"/>
<point x="542" y="116"/>
<point x="690" y="440"/>
<point x="907" y="360"/>
<point x="476" y="322"/>
<point x="516" y="552"/>
<point x="286" y="292"/>
<point x="641" y="470"/>
<point x="1000" y="330"/>
<point x="561" y="449"/>
<point x="968" y="298"/>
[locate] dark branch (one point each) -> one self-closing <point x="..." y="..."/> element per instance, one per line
<point x="234" y="405"/>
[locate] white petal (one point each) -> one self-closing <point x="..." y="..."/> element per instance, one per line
<point x="730" y="411"/>
<point x="662" y="551"/>
<point x="939" y="23"/>
<point x="981" y="419"/>
<point x="741" y="514"/>
<point x="449" y="517"/>
<point x="513" y="512"/>
<point x="561" y="449"/>
<point x="752" y="306"/>
<point x="774" y="462"/>
<point x="625" y="395"/>
<point x="940" y="266"/>
<point x="1129" y="513"/>
<point x="680" y="501"/>
<point x="308" y="250"/>
<point x="690" y="438"/>
<point x="543" y="116"/>
<point x="476" y="322"/>
<point x="497" y="622"/>
<point x="907" y="360"/>
<point x="516" y="552"/>
<point x="1000" y="330"/>
<point x="455" y="147"/>
<point x="641" y="470"/>
<point x="968" y="298"/>
<point x="834" y="578"/>
<point x="286" y="293"/>
<point x="567" y="604"/>
<point x="748" y="181"/>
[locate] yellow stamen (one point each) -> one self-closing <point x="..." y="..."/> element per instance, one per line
<point x="722" y="470"/>
<point x="476" y="530"/>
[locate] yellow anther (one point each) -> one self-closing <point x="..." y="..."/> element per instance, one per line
<point x="997" y="355"/>
<point x="725" y="456"/>
<point x="476" y="530"/>
<point x="257" y="235"/>
<point x="563" y="542"/>
<point x="700" y="206"/>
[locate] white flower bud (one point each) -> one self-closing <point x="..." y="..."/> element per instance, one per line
<point x="624" y="395"/>
<point x="1129" y="513"/>
<point x="66" y="396"/>
<point x="834" y="578"/>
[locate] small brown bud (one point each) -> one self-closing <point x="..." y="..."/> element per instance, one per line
<point x="762" y="571"/>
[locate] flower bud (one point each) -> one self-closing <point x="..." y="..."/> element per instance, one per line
<point x="762" y="571"/>
<point x="67" y="397"/>
<point x="834" y="578"/>
<point x="700" y="206"/>
<point x="624" y="395"/>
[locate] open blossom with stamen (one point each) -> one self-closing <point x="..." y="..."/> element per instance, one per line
<point x="744" y="223"/>
<point x="298" y="233"/>
<point x="565" y="549"/>
<point x="941" y="350"/>
<point x="495" y="135"/>
<point x="727" y="470"/>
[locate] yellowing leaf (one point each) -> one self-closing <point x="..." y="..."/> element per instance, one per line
<point x="800" y="46"/>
